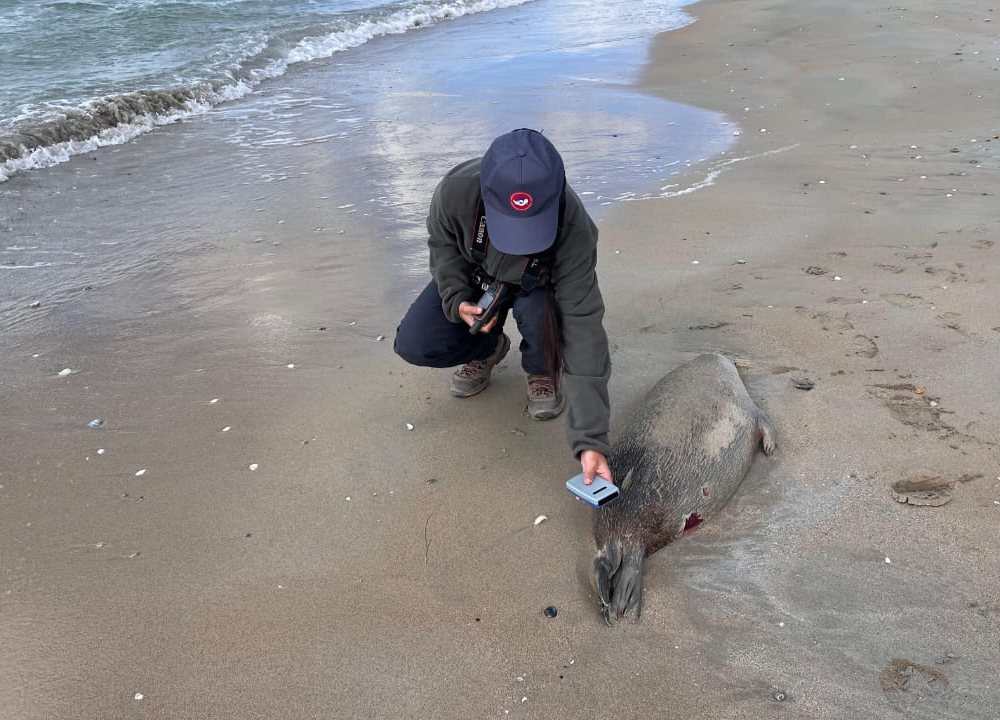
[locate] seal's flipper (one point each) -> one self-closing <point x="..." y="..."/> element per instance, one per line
<point x="766" y="434"/>
<point x="627" y="592"/>
<point x="606" y="565"/>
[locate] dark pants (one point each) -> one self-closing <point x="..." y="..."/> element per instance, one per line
<point x="426" y="337"/>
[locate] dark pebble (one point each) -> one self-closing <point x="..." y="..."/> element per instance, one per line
<point x="804" y="385"/>
<point x="779" y="696"/>
<point x="550" y="611"/>
<point x="431" y="481"/>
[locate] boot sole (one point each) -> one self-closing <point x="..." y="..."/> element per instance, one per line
<point x="469" y="393"/>
<point x="547" y="414"/>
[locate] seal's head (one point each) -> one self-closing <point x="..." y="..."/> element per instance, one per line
<point x="522" y="180"/>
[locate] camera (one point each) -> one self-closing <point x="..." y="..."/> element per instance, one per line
<point x="495" y="297"/>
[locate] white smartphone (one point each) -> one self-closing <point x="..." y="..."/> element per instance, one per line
<point x="599" y="493"/>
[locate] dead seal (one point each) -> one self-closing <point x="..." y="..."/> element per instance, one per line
<point x="677" y="463"/>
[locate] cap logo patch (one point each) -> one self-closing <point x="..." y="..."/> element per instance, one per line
<point x="521" y="201"/>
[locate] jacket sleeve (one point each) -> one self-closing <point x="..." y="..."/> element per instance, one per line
<point x="449" y="268"/>
<point x="586" y="360"/>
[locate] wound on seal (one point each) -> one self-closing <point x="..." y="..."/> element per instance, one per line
<point x="691" y="522"/>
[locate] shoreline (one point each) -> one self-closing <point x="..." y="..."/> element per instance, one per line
<point x="363" y="569"/>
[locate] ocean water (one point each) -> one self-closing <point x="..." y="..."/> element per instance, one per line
<point x="75" y="75"/>
<point x="78" y="75"/>
<point x="137" y="134"/>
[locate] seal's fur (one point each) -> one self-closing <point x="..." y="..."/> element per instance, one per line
<point x="677" y="463"/>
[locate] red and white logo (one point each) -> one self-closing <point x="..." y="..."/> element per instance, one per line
<point x="521" y="201"/>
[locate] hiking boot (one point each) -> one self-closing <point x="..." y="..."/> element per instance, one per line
<point x="544" y="400"/>
<point x="473" y="377"/>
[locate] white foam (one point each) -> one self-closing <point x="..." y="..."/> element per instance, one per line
<point x="354" y="34"/>
<point x="43" y="157"/>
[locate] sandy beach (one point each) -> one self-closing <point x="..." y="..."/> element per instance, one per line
<point x="278" y="518"/>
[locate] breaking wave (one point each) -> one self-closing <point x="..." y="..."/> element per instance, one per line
<point x="61" y="133"/>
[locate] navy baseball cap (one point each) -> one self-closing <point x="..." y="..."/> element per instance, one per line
<point x="522" y="179"/>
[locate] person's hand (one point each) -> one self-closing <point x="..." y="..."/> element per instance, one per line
<point x="594" y="463"/>
<point x="470" y="312"/>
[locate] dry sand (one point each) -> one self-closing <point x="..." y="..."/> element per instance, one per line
<point x="364" y="570"/>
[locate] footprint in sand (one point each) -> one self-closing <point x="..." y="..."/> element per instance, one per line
<point x="827" y="320"/>
<point x="921" y="411"/>
<point x="923" y="488"/>
<point x="911" y="408"/>
<point x="902" y="675"/>
<point x="894" y="269"/>
<point x="949" y="320"/>
<point x="953" y="276"/>
<point x="907" y="300"/>
<point x="864" y="347"/>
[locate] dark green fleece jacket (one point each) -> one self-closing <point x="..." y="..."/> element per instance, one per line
<point x="573" y="276"/>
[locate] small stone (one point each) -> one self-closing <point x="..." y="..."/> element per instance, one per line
<point x="779" y="696"/>
<point x="227" y="428"/>
<point x="138" y="696"/>
<point x="213" y="401"/>
<point x="696" y="262"/>
<point x="254" y="466"/>
<point x="804" y="385"/>
<point x="35" y="304"/>
<point x="550" y="611"/>
<point x="409" y="426"/>
<point x="380" y="338"/>
<point x="140" y="473"/>
<point x="100" y="451"/>
<point x="888" y="561"/>
<point x="64" y="372"/>
<point x="540" y="519"/>
<point x="918" y="391"/>
<point x="290" y="366"/>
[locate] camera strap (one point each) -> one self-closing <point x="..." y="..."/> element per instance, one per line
<point x="534" y="267"/>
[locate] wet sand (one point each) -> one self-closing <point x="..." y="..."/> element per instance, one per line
<point x="365" y="570"/>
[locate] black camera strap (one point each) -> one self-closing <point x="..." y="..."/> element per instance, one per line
<point x="534" y="267"/>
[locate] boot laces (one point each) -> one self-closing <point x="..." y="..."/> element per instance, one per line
<point x="541" y="387"/>
<point x="472" y="370"/>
